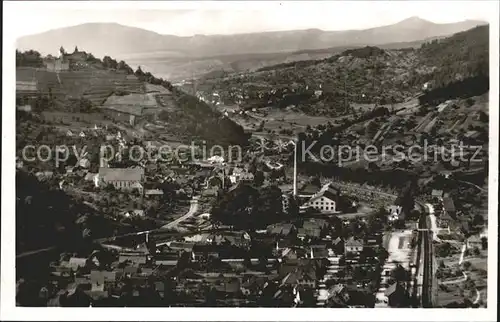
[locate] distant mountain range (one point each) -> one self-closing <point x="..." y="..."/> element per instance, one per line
<point x="122" y="41"/>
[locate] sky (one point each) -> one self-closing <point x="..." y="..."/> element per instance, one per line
<point x="221" y="17"/>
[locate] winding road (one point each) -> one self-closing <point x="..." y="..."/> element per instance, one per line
<point x="193" y="209"/>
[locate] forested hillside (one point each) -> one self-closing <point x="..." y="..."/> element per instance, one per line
<point x="333" y="86"/>
<point x="199" y="121"/>
<point x="48" y="217"/>
<point x="460" y="65"/>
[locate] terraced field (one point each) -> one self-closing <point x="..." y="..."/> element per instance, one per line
<point x="96" y="86"/>
<point x="47" y="81"/>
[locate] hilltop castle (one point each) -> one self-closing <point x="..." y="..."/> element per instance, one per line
<point x="63" y="62"/>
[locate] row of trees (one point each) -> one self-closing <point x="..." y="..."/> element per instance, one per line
<point x="472" y="86"/>
<point x="30" y="58"/>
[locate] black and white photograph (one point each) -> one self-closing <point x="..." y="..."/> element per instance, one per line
<point x="290" y="159"/>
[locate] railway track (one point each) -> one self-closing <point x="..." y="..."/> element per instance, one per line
<point x="428" y="278"/>
<point x="415" y="291"/>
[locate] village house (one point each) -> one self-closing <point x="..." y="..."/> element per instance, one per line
<point x="44" y="175"/>
<point x="312" y="228"/>
<point x="474" y="241"/>
<point x="282" y="244"/>
<point x="181" y="246"/>
<point x="254" y="285"/>
<point x="90" y="176"/>
<point x="394" y="212"/>
<point x="122" y="178"/>
<point x="238" y="238"/>
<point x="318" y="251"/>
<point x="75" y="263"/>
<point x="299" y="272"/>
<point x="168" y="260"/>
<point x="299" y="278"/>
<point x="281" y="229"/>
<point x="201" y="251"/>
<point x="292" y="253"/>
<point x="135" y="259"/>
<point x="227" y="286"/>
<point x="83" y="163"/>
<point x="153" y="193"/>
<point x="437" y="193"/>
<point x="240" y="174"/>
<point x="304" y="233"/>
<point x="353" y="245"/>
<point x="100" y="278"/>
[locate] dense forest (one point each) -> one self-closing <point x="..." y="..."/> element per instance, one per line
<point x="471" y="86"/>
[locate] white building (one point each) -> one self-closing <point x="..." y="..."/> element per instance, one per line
<point x="325" y="200"/>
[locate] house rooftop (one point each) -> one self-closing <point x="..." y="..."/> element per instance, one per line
<point x="353" y="242"/>
<point x="327" y="193"/>
<point x="281" y="229"/>
<point x="309" y="189"/>
<point x="311" y="232"/>
<point x="101" y="276"/>
<point x="75" y="262"/>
